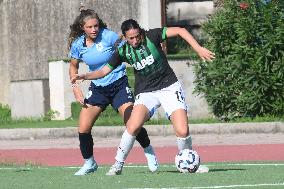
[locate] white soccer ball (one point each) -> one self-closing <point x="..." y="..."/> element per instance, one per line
<point x="187" y="161"/>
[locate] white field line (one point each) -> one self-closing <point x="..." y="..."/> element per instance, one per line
<point x="224" y="164"/>
<point x="13" y="168"/>
<point x="198" y="187"/>
<point x="145" y="166"/>
<point x="225" y="186"/>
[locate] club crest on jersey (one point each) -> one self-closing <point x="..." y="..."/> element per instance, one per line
<point x="142" y="49"/>
<point x="144" y="62"/>
<point x="99" y="46"/>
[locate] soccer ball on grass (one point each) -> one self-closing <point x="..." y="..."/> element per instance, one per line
<point x="187" y="161"/>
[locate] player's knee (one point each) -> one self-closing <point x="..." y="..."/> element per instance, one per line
<point x="182" y="133"/>
<point x="84" y="128"/>
<point x="133" y="129"/>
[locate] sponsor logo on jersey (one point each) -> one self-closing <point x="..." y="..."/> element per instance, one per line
<point x="144" y="62"/>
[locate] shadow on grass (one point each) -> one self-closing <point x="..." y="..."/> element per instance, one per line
<point x="222" y="170"/>
<point x="22" y="170"/>
<point x="211" y="170"/>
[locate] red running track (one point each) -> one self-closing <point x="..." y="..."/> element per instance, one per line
<point x="218" y="153"/>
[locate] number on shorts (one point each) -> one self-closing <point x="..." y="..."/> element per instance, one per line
<point x="129" y="92"/>
<point x="180" y="97"/>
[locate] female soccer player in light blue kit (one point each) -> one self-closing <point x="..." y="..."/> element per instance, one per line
<point x="155" y="84"/>
<point x="92" y="43"/>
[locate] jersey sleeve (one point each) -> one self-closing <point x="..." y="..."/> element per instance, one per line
<point x="115" y="60"/>
<point x="112" y="37"/>
<point x="74" y="51"/>
<point x="157" y="35"/>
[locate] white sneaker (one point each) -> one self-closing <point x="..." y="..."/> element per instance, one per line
<point x="86" y="169"/>
<point x="151" y="158"/>
<point x="115" y="169"/>
<point x="202" y="169"/>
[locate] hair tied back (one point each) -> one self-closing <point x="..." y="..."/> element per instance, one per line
<point x="82" y="8"/>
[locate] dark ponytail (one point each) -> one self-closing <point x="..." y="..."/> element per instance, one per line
<point x="131" y="24"/>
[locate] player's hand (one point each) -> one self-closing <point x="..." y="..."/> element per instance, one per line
<point x="78" y="77"/>
<point x="205" y="54"/>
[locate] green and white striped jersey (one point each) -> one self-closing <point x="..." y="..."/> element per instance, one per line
<point x="151" y="68"/>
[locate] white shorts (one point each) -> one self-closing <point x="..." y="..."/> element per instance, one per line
<point x="170" y="98"/>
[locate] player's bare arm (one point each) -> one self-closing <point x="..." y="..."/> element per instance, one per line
<point x="73" y="71"/>
<point x="202" y="52"/>
<point x="92" y="75"/>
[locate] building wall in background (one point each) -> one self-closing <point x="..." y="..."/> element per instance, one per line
<point x="33" y="32"/>
<point x="37" y="30"/>
<point x="4" y="74"/>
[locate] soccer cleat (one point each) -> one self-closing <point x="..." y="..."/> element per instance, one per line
<point x="115" y="169"/>
<point x="86" y="169"/>
<point x="151" y="158"/>
<point x="202" y="169"/>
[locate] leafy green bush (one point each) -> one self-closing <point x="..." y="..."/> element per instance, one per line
<point x="247" y="77"/>
<point x="5" y="114"/>
<point x="49" y="115"/>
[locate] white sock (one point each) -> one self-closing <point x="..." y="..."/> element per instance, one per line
<point x="126" y="144"/>
<point x="90" y="161"/>
<point x="184" y="143"/>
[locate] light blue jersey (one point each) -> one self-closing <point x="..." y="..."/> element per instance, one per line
<point x="98" y="55"/>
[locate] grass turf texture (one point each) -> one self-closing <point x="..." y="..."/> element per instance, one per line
<point x="221" y="175"/>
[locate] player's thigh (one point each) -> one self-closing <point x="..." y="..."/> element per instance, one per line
<point x="139" y="115"/>
<point x="88" y="116"/>
<point x="149" y="100"/>
<point x="125" y="111"/>
<point x="172" y="98"/>
<point x="173" y="101"/>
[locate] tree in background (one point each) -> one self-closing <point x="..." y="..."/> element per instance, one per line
<point x="247" y="77"/>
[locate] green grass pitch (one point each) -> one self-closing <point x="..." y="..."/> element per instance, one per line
<point x="260" y="175"/>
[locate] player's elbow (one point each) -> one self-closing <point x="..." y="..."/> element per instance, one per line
<point x="105" y="71"/>
<point x="182" y="31"/>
